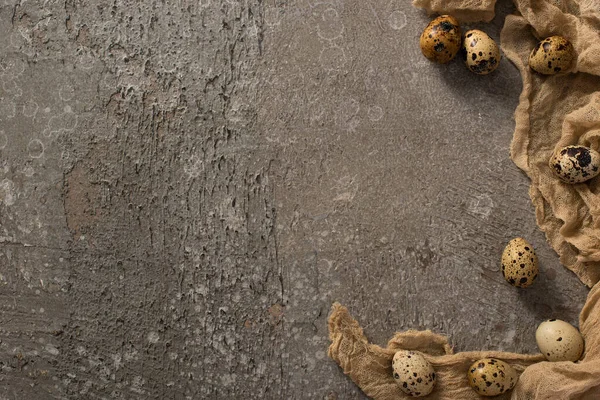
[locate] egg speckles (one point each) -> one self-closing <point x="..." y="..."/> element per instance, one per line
<point x="491" y="377"/>
<point x="480" y="52"/>
<point x="559" y="341"/>
<point x="440" y="41"/>
<point x="413" y="373"/>
<point x="519" y="263"/>
<point x="575" y="164"/>
<point x="552" y="55"/>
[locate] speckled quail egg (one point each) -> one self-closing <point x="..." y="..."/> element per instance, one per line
<point x="559" y="341"/>
<point x="440" y="41"/>
<point x="413" y="373"/>
<point x="552" y="55"/>
<point x="575" y="164"/>
<point x="519" y="263"/>
<point x="480" y="52"/>
<point x="491" y="377"/>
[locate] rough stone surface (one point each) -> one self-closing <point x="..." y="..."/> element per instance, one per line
<point x="186" y="187"/>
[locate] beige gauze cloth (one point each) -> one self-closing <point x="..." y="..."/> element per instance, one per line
<point x="553" y="111"/>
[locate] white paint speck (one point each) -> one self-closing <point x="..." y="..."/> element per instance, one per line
<point x="51" y="349"/>
<point x="35" y="148"/>
<point x="397" y="20"/>
<point x="194" y="167"/>
<point x="8" y="194"/>
<point x="228" y="379"/>
<point x="3" y="140"/>
<point x="130" y="355"/>
<point x="117" y="360"/>
<point x="137" y="384"/>
<point x="66" y="93"/>
<point x="28" y="171"/>
<point x="375" y="113"/>
<point x="330" y="25"/>
<point x="30" y="109"/>
<point x="86" y="61"/>
<point x="510" y="336"/>
<point x="481" y="205"/>
<point x="153" y="337"/>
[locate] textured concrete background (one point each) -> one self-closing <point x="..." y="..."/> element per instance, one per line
<point x="187" y="186"/>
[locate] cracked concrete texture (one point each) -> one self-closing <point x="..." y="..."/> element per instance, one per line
<point x="187" y="186"/>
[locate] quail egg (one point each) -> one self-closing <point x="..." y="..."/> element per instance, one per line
<point x="440" y="41"/>
<point x="480" y="52"/>
<point x="413" y="373"/>
<point x="491" y="377"/>
<point x="575" y="164"/>
<point x="559" y="341"/>
<point x="519" y="263"/>
<point x="552" y="55"/>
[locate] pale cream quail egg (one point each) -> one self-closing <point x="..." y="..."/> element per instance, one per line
<point x="559" y="341"/>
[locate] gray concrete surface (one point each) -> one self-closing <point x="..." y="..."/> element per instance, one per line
<point x="186" y="187"/>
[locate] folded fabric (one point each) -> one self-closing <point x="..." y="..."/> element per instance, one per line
<point x="370" y="366"/>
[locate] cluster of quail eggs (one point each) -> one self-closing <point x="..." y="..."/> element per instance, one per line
<point x="442" y="40"/>
<point x="557" y="340"/>
<point x="571" y="164"/>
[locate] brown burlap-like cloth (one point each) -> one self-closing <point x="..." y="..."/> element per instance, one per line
<point x="554" y="111"/>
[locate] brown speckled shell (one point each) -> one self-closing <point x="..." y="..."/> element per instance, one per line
<point x="575" y="164"/>
<point x="519" y="263"/>
<point x="491" y="377"/>
<point x="480" y="52"/>
<point x="552" y="55"/>
<point x="413" y="373"/>
<point x="441" y="39"/>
